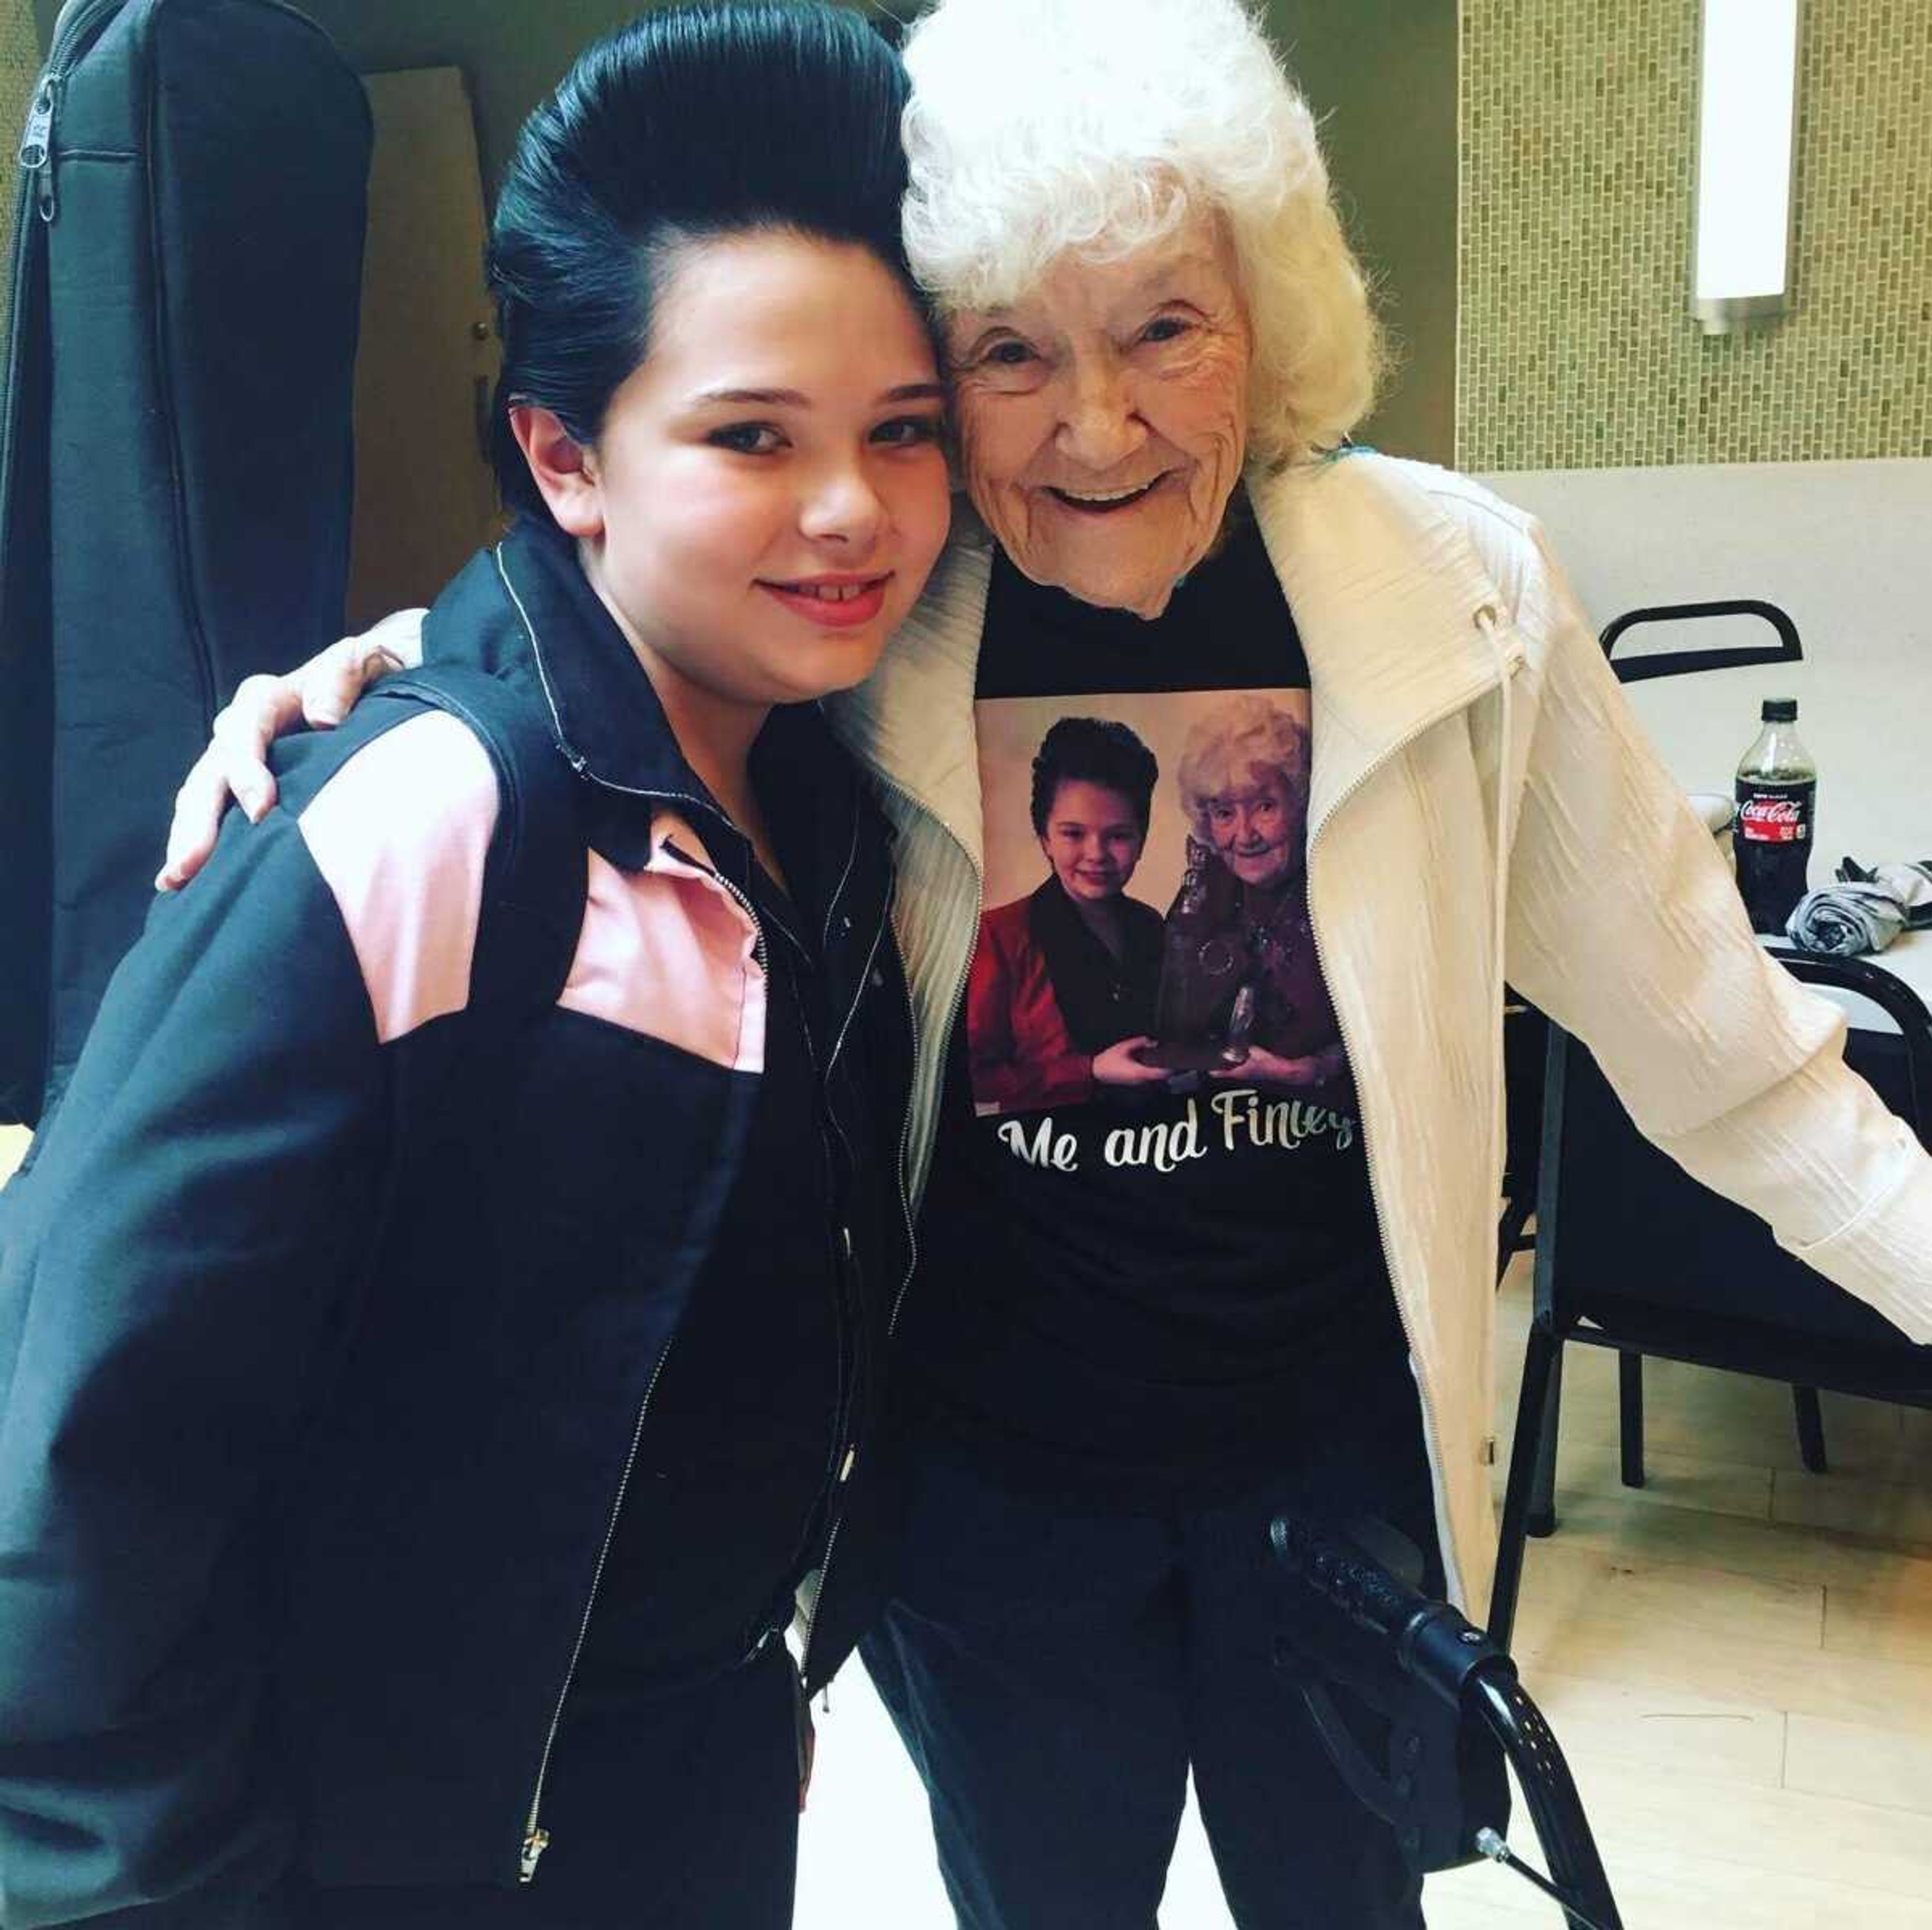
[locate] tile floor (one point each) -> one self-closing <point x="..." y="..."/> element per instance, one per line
<point x="1737" y="1659"/>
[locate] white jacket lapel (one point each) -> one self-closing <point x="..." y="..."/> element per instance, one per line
<point x="1385" y="589"/>
<point x="911" y="720"/>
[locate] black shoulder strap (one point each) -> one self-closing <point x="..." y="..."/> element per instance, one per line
<point x="533" y="879"/>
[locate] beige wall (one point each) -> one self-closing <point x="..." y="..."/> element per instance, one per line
<point x="513" y="51"/>
<point x="1383" y="75"/>
<point x="20" y="64"/>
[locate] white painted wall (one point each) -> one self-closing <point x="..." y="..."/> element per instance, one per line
<point x="1846" y="548"/>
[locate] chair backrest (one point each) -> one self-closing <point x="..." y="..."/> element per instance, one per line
<point x="1900" y="1004"/>
<point x="1787" y="650"/>
<point x="1630" y="1243"/>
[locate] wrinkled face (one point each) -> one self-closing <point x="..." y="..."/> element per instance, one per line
<point x="769" y="490"/>
<point x="1256" y="828"/>
<point x="1092" y="839"/>
<point x="1104" y="419"/>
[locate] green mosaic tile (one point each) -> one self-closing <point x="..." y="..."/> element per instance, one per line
<point x="1576" y="346"/>
<point x="19" y="66"/>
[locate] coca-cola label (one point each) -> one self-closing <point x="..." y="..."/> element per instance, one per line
<point x="1774" y="818"/>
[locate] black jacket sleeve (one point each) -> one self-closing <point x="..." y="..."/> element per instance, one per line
<point x="178" y="1267"/>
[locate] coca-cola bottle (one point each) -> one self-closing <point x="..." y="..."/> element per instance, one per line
<point x="1778" y="801"/>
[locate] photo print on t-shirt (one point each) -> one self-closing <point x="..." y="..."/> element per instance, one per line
<point x="1146" y="971"/>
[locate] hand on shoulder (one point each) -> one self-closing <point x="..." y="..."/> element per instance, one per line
<point x="316" y="696"/>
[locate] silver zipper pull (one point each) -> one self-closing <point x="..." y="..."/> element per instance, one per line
<point x="845" y="1466"/>
<point x="535" y="1844"/>
<point x="37" y="144"/>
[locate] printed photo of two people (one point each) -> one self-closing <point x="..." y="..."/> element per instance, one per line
<point x="1147" y="928"/>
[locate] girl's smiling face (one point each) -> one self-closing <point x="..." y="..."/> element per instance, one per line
<point x="768" y="490"/>
<point x="1092" y="839"/>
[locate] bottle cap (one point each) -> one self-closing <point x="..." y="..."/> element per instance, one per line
<point x="1779" y="710"/>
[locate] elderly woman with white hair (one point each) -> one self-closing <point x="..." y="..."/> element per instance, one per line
<point x="1128" y="1351"/>
<point x="1240" y="978"/>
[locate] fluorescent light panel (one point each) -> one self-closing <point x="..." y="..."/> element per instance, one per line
<point x="1748" y="103"/>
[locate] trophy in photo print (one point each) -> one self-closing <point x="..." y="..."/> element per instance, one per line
<point x="1204" y="1011"/>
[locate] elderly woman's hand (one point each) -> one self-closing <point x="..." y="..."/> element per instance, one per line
<point x="318" y="694"/>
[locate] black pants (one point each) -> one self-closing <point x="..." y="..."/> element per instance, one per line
<point x="1055" y="1671"/>
<point x="676" y="1812"/>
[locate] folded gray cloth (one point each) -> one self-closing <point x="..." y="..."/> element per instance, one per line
<point x="1865" y="911"/>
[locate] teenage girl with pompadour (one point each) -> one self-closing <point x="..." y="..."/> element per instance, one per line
<point x="423" y="1400"/>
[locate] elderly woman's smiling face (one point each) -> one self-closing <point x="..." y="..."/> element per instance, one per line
<point x="1104" y="419"/>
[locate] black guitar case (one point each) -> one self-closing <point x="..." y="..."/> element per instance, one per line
<point x="175" y="449"/>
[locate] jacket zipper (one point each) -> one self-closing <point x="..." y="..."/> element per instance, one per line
<point x="945" y="1033"/>
<point x="840" y="1245"/>
<point x="859" y="982"/>
<point x="25" y="242"/>
<point x="717" y="877"/>
<point x="1432" y="1436"/>
<point x="850" y="1456"/>
<point x="36" y="196"/>
<point x="905" y="1186"/>
<point x="536" y="1839"/>
<point x="37" y="147"/>
<point x="851" y="858"/>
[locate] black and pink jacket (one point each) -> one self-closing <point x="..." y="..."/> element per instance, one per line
<point x="330" y="1306"/>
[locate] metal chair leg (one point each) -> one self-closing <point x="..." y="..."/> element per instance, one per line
<point x="1810" y="1428"/>
<point x="1535" y="1413"/>
<point x="1630" y="1416"/>
<point x="1542" y="1519"/>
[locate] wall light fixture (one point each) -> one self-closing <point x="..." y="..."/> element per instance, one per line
<point x="1747" y="145"/>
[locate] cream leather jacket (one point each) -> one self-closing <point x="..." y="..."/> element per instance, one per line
<point x="1482" y="806"/>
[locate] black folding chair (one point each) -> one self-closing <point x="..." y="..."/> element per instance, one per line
<point x="1684" y="663"/>
<point x="1633" y="1254"/>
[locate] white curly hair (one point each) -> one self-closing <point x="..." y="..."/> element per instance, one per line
<point x="1041" y="127"/>
<point x="1232" y="745"/>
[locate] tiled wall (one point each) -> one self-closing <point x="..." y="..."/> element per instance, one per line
<point x="20" y="64"/>
<point x="1577" y="350"/>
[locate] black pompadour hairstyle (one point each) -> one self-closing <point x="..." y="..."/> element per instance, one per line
<point x="690" y="123"/>
<point x="1090" y="750"/>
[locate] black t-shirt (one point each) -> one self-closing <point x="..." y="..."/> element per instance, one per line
<point x="1182" y="1275"/>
